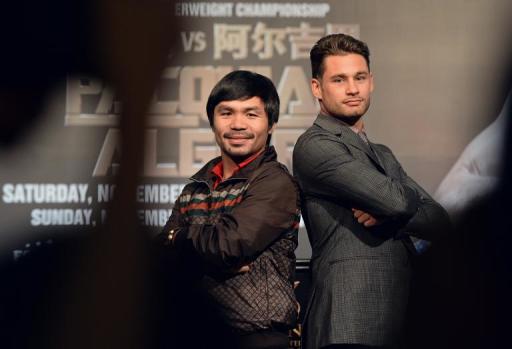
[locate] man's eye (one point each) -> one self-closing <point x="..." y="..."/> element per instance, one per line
<point x="225" y="113"/>
<point x="252" y="115"/>
<point x="338" y="80"/>
<point x="361" y="78"/>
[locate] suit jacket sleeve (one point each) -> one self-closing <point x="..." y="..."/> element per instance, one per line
<point x="268" y="208"/>
<point x="325" y="167"/>
<point x="431" y="220"/>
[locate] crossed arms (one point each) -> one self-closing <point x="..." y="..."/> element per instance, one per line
<point x="326" y="168"/>
<point x="268" y="208"/>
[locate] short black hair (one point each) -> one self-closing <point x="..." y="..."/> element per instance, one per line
<point x="335" y="45"/>
<point x="242" y="85"/>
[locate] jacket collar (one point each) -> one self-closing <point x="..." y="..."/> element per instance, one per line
<point x="205" y="173"/>
<point x="342" y="129"/>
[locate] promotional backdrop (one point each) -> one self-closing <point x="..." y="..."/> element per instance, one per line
<point x="439" y="70"/>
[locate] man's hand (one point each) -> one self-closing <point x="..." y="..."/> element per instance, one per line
<point x="365" y="219"/>
<point x="243" y="269"/>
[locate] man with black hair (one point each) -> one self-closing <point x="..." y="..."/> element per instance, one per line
<point x="239" y="217"/>
<point x="365" y="216"/>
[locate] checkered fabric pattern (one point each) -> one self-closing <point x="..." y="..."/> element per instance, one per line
<point x="262" y="298"/>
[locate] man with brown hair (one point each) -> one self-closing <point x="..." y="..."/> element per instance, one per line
<point x="365" y="217"/>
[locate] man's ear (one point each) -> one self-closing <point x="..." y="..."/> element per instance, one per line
<point x="371" y="82"/>
<point x="270" y="130"/>
<point x="315" y="88"/>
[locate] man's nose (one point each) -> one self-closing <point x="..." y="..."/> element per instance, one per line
<point x="352" y="88"/>
<point x="238" y="122"/>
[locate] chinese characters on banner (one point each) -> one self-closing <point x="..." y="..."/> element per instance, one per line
<point x="249" y="46"/>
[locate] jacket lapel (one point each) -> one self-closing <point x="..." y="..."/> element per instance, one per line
<point x="352" y="138"/>
<point x="342" y="130"/>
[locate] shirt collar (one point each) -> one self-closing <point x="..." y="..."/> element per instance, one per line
<point x="343" y="130"/>
<point x="218" y="169"/>
<point x="335" y="125"/>
<point x="206" y="173"/>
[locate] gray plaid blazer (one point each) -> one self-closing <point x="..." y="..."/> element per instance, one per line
<point x="360" y="275"/>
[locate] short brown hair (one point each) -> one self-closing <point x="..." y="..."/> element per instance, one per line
<point x="334" y="45"/>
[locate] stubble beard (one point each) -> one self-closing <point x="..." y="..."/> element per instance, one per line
<point x="352" y="118"/>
